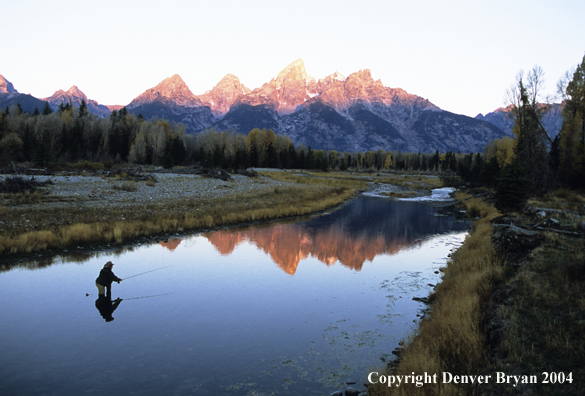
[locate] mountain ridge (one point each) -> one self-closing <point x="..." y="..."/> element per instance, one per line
<point x="353" y="113"/>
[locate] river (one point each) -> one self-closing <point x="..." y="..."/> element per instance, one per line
<point x="297" y="307"/>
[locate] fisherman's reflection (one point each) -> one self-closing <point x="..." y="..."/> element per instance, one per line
<point x="106" y="306"/>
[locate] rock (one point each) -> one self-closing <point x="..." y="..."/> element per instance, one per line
<point x="397" y="351"/>
<point x="337" y="393"/>
<point x="217" y="174"/>
<point x="351" y="391"/>
<point x="423" y="300"/>
<point x="582" y="226"/>
<point x="247" y="172"/>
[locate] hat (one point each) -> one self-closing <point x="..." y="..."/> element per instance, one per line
<point x="109" y="264"/>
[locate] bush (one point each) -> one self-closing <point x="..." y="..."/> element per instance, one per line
<point x="126" y="186"/>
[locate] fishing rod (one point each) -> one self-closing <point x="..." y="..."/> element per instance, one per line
<point x="136" y="298"/>
<point x="142" y="273"/>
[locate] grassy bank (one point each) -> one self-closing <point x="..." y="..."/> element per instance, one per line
<point x="450" y="339"/>
<point x="513" y="304"/>
<point x="78" y="226"/>
<point x="544" y="306"/>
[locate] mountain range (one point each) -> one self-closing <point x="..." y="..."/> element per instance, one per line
<point x="354" y="113"/>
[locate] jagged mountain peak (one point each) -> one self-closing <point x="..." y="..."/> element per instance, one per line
<point x="174" y="79"/>
<point x="285" y="93"/>
<point x="74" y="90"/>
<point x="224" y="94"/>
<point x="336" y="76"/>
<point x="172" y="89"/>
<point x="295" y="70"/>
<point x="73" y="95"/>
<point x="6" y="86"/>
<point x="172" y="85"/>
<point x="363" y="75"/>
<point x="230" y="80"/>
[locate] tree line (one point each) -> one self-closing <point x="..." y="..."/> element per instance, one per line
<point x="530" y="162"/>
<point x="73" y="134"/>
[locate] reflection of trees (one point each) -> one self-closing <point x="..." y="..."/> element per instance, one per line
<point x="351" y="235"/>
<point x="68" y="257"/>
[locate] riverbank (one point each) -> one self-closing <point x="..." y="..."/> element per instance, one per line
<point x="81" y="209"/>
<point x="76" y="211"/>
<point x="511" y="302"/>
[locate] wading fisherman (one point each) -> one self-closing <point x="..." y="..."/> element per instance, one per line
<point x="105" y="279"/>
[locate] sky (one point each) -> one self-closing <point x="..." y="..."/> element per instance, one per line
<point x="460" y="55"/>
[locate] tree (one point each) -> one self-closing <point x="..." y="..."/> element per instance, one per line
<point x="271" y="156"/>
<point x="572" y="141"/>
<point x="531" y="150"/>
<point x="83" y="112"/>
<point x="47" y="109"/>
<point x="10" y="148"/>
<point x="512" y="189"/>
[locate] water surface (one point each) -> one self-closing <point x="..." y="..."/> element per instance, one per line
<point x="286" y="308"/>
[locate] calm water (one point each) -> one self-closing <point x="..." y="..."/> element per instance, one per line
<point x="286" y="308"/>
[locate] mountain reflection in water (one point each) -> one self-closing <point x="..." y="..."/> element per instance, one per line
<point x="351" y="235"/>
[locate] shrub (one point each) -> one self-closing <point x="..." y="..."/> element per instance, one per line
<point x="126" y="186"/>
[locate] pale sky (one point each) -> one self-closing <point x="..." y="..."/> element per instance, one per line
<point x="460" y="55"/>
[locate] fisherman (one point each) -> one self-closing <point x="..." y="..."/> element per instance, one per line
<point x="105" y="279"/>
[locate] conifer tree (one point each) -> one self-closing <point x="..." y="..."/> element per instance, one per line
<point x="531" y="151"/>
<point x="512" y="189"/>
<point x="572" y="141"/>
<point x="83" y="112"/>
<point x="47" y="109"/>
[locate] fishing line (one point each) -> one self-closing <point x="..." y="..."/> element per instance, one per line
<point x="136" y="298"/>
<point x="142" y="273"/>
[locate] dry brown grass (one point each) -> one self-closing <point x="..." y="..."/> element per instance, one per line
<point x="25" y="198"/>
<point x="561" y="199"/>
<point x="450" y="340"/>
<point x="410" y="180"/>
<point x="315" y="178"/>
<point x="402" y="194"/>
